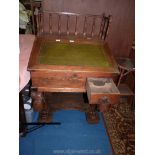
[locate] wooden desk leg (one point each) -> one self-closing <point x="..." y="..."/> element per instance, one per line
<point x="41" y="106"/>
<point x="104" y="104"/>
<point x="92" y="115"/>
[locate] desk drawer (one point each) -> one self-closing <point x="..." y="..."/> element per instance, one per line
<point x="59" y="84"/>
<point x="102" y="91"/>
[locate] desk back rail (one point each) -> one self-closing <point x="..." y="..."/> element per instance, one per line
<point x="86" y="25"/>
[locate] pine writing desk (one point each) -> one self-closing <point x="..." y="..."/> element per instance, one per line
<point x="63" y="61"/>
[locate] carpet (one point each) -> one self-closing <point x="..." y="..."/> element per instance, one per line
<point x="73" y="137"/>
<point x="120" y="124"/>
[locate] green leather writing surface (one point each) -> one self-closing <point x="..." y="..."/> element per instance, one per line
<point x="72" y="54"/>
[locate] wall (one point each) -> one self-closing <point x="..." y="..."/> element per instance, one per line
<point x="121" y="33"/>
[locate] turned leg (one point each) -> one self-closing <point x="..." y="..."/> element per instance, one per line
<point x="104" y="104"/>
<point x="92" y="115"/>
<point x="41" y="106"/>
<point x="37" y="100"/>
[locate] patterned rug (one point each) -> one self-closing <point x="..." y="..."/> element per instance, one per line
<point x="120" y="124"/>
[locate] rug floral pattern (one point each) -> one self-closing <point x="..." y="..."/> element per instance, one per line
<point x="120" y="124"/>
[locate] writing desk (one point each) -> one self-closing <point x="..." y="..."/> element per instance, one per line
<point x="63" y="63"/>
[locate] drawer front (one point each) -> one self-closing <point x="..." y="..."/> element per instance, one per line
<point x="104" y="99"/>
<point x="59" y="84"/>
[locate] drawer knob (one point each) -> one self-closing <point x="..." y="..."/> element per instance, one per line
<point x="104" y="100"/>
